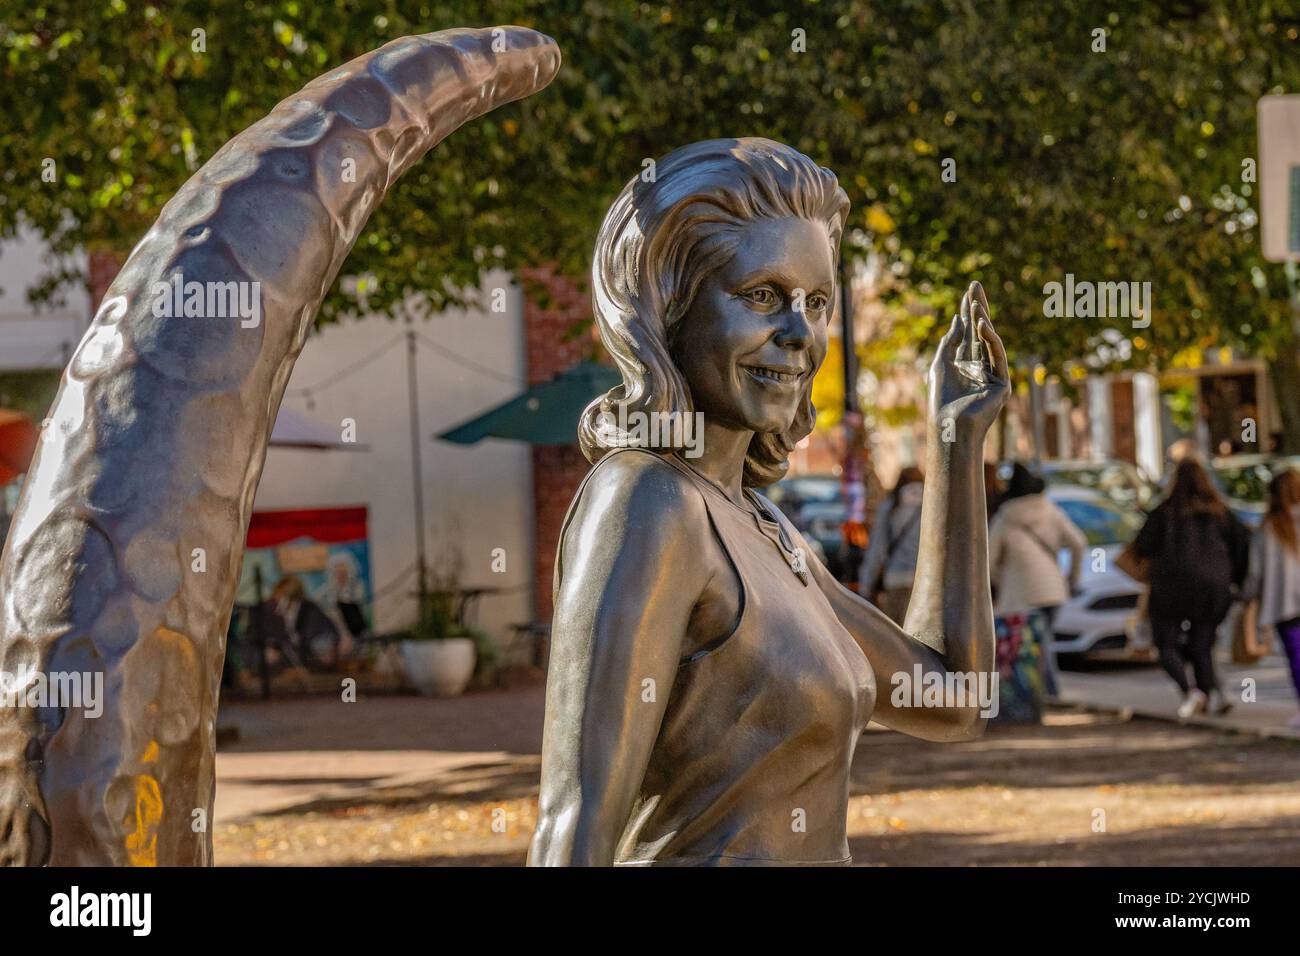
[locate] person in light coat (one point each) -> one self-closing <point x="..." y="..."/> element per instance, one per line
<point x="1025" y="537"/>
<point x="889" y="566"/>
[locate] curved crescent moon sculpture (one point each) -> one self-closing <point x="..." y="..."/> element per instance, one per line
<point x="156" y="441"/>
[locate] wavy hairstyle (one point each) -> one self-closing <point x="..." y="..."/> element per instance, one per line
<point x="661" y="238"/>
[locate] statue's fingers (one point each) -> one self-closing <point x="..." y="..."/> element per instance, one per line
<point x="976" y="291"/>
<point x="997" y="353"/>
<point x="966" y="351"/>
<point x="950" y="344"/>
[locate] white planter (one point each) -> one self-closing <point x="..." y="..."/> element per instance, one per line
<point x="439" y="668"/>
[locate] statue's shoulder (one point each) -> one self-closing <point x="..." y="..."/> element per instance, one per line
<point x="639" y="487"/>
<point x="635" y="519"/>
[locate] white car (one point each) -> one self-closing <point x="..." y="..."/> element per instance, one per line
<point x="1097" y="619"/>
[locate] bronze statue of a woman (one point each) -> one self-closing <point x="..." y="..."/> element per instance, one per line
<point x="709" y="678"/>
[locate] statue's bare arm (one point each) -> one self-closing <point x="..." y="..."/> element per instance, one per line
<point x="632" y="569"/>
<point x="949" y="624"/>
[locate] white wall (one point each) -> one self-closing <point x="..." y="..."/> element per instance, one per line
<point x="31" y="340"/>
<point x="1103" y="445"/>
<point x="1146" y="425"/>
<point x="477" y="497"/>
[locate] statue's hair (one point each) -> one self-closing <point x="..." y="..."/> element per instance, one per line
<point x="669" y="229"/>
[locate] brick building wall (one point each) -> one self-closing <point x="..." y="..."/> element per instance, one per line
<point x="553" y="306"/>
<point x="102" y="269"/>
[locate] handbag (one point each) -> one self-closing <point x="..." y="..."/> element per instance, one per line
<point x="1247" y="646"/>
<point x="1138" y="568"/>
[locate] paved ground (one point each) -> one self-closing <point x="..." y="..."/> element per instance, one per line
<point x="387" y="779"/>
<point x="294" y="751"/>
<point x="409" y="781"/>
<point x="1263" y="696"/>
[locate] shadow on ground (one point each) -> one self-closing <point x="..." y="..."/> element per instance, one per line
<point x="1077" y="750"/>
<point x="1276" y="843"/>
<point x="487" y="781"/>
<point x="1168" y="795"/>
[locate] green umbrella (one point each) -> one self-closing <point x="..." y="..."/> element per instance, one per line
<point x="546" y="414"/>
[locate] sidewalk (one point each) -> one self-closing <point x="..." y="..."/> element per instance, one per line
<point x="1147" y="691"/>
<point x="305" y="753"/>
<point x="404" y="780"/>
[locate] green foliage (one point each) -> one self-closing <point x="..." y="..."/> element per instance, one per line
<point x="1122" y="165"/>
<point x="31" y="393"/>
<point x="436" y="620"/>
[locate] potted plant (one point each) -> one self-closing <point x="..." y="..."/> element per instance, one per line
<point x="440" y="654"/>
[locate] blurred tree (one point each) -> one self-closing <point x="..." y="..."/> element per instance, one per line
<point x="1121" y="163"/>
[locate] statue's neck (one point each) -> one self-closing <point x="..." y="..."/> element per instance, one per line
<point x="722" y="459"/>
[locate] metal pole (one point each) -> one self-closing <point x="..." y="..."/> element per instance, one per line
<point x="1036" y="417"/>
<point x="848" y="340"/>
<point x="1292" y="269"/>
<point x="854" y="463"/>
<point x="417" y="468"/>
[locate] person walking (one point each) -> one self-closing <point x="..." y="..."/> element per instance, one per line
<point x="1026" y="535"/>
<point x="1274" y="575"/>
<point x="1198" y="553"/>
<point x="994" y="489"/>
<point x="890" y="563"/>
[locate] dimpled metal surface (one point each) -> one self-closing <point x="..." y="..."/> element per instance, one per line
<point x="155" y="444"/>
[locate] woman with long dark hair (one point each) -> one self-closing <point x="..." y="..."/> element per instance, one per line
<point x="1199" y="552"/>
<point x="1275" y="570"/>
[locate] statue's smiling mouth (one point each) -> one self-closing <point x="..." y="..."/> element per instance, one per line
<point x="775" y="374"/>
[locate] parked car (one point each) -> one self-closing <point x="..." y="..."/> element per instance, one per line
<point x="1244" y="479"/>
<point x="1094" y="622"/>
<point x="804" y="488"/>
<point x="815" y="504"/>
<point x="1120" y="481"/>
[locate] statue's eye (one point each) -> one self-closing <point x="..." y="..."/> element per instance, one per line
<point x="816" y="302"/>
<point x="761" y="296"/>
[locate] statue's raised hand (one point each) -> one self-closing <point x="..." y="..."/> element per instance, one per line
<point x="968" y="378"/>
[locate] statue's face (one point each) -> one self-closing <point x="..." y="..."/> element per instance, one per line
<point x="756" y="332"/>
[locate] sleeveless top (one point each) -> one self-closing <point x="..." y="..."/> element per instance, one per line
<point x="751" y="765"/>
